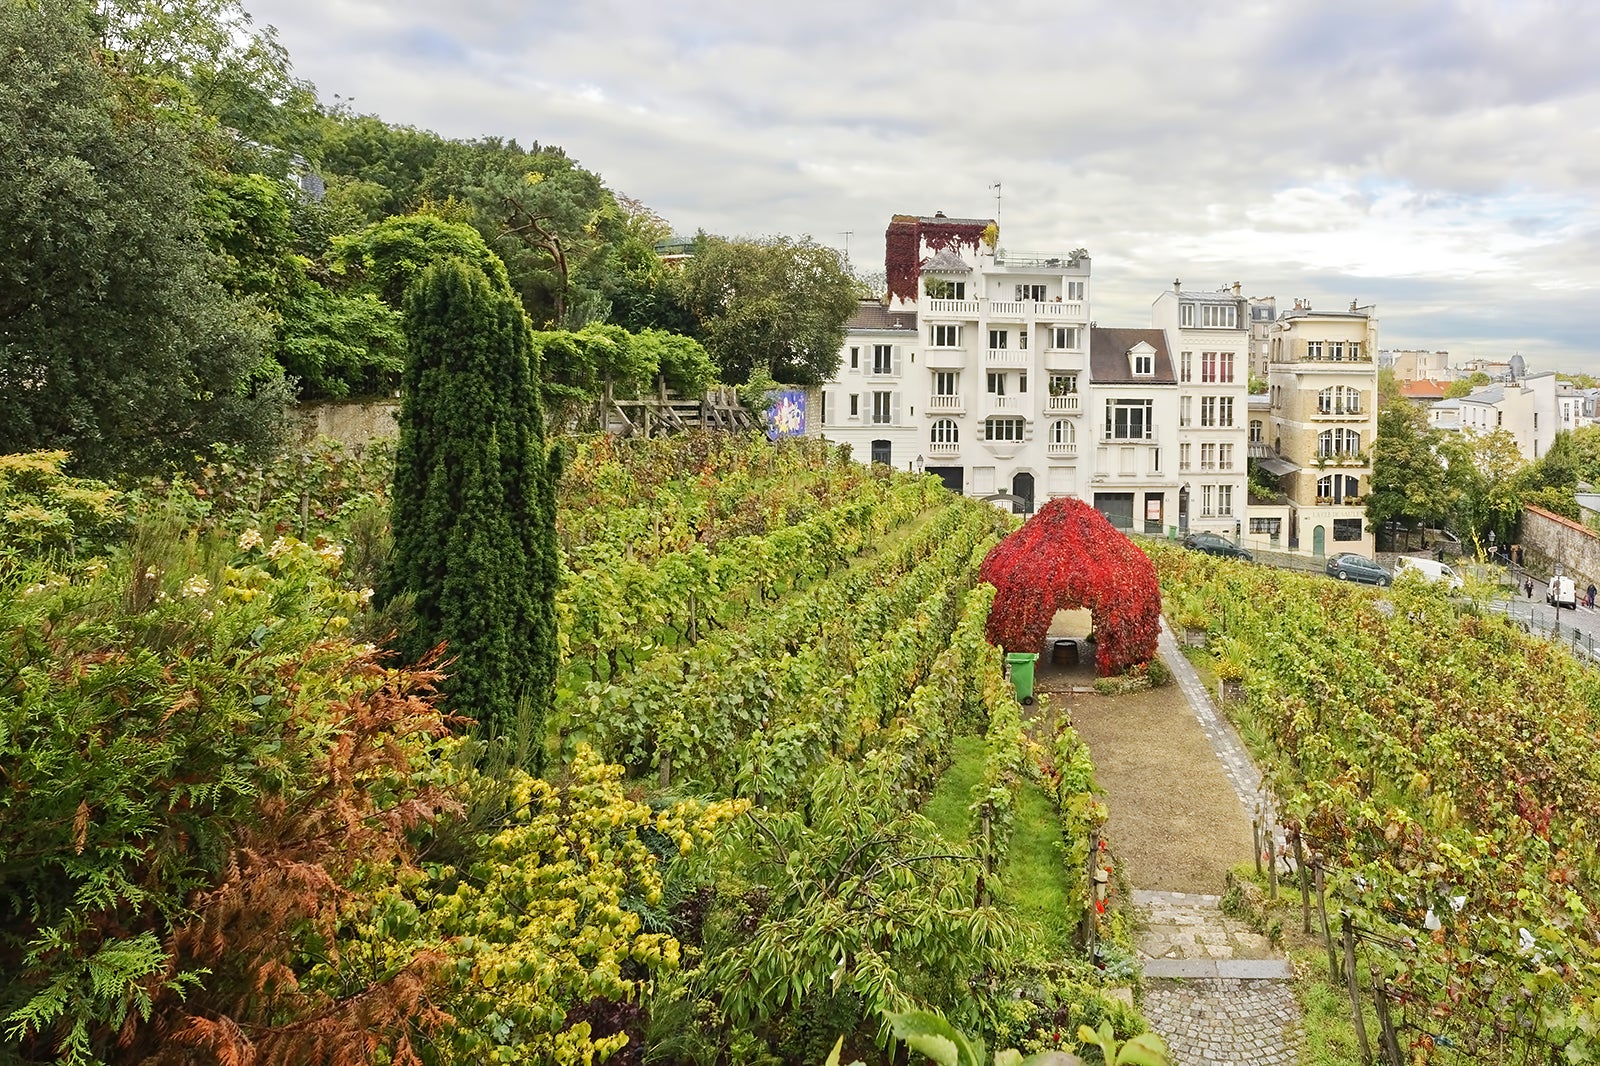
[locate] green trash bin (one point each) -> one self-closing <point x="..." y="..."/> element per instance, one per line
<point x="1021" y="666"/>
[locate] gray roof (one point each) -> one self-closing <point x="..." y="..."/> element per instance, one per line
<point x="1488" y="394"/>
<point x="940" y="219"/>
<point x="946" y="262"/>
<point x="1306" y="312"/>
<point x="872" y="315"/>
<point x="1108" y="356"/>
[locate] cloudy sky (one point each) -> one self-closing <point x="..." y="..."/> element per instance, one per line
<point x="1439" y="159"/>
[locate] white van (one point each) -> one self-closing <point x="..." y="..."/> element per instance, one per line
<point x="1563" y="592"/>
<point x="1431" y="569"/>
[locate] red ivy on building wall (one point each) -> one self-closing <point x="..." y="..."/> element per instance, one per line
<point x="1068" y="556"/>
<point x="902" y="248"/>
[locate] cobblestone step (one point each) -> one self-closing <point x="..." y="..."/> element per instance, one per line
<point x="1226" y="1022"/>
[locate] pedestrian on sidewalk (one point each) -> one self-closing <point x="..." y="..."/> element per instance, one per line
<point x="1592" y="590"/>
<point x="1528" y="588"/>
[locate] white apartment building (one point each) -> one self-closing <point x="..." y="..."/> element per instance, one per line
<point x="982" y="367"/>
<point x="1134" y="403"/>
<point x="1531" y="410"/>
<point x="1322" y="388"/>
<point x="1575" y="407"/>
<point x="1210" y="333"/>
<point x="975" y="369"/>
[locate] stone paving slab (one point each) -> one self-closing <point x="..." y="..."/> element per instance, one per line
<point x="1230" y="969"/>
<point x="1188" y="925"/>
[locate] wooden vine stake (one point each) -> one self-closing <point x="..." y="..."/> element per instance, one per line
<point x="1322" y="909"/>
<point x="1351" y="984"/>
<point x="1305" y="884"/>
<point x="1387" y="1034"/>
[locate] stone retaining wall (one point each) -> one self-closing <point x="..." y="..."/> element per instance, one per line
<point x="1548" y="541"/>
<point x="354" y="424"/>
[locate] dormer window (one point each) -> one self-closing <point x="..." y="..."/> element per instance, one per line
<point x="1142" y="360"/>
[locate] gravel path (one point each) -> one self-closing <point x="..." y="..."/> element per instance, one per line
<point x="1182" y="790"/>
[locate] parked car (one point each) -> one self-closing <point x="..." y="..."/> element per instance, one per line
<point x="1431" y="569"/>
<point x="1214" y="544"/>
<point x="1352" y="567"/>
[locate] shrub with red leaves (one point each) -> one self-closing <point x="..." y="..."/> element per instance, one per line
<point x="1068" y="556"/>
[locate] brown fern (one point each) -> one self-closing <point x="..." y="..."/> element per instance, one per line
<point x="284" y="893"/>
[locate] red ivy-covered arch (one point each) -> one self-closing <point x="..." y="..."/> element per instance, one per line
<point x="1067" y="556"/>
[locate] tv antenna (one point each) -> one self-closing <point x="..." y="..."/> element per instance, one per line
<point x="996" y="188"/>
<point x="846" y="234"/>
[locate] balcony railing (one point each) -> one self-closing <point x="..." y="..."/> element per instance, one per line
<point x="1016" y="310"/>
<point x="1009" y="357"/>
<point x="945" y="405"/>
<point x="1063" y="404"/>
<point x="1328" y="410"/>
<point x="1006" y="403"/>
<point x="944" y="447"/>
<point x="1063" y="447"/>
<point x="1020" y="310"/>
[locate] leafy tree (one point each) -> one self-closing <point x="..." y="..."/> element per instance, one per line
<point x="1482" y="468"/>
<point x="116" y="341"/>
<point x="1408" y="475"/>
<point x="211" y="58"/>
<point x="583" y="366"/>
<point x="1388" y="388"/>
<point x="552" y="221"/>
<point x="340" y="344"/>
<point x="1464" y="386"/>
<point x="1068" y="556"/>
<point x="1586" y="448"/>
<point x="778" y="303"/>
<point x="390" y="255"/>
<point x="384" y="163"/>
<point x="474" y="498"/>
<point x="331" y="342"/>
<point x="1554" y="500"/>
<point x="1557" y="468"/>
<point x="643" y="289"/>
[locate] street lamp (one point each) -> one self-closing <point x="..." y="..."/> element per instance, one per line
<point x="919" y="463"/>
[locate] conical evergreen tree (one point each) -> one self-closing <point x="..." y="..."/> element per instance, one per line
<point x="474" y="500"/>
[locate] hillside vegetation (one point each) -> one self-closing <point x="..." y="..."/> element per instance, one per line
<point x="1446" y="766"/>
<point x="236" y="829"/>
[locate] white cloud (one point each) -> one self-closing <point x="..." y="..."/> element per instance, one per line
<point x="1361" y="149"/>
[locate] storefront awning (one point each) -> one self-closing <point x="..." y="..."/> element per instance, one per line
<point x="1277" y="467"/>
